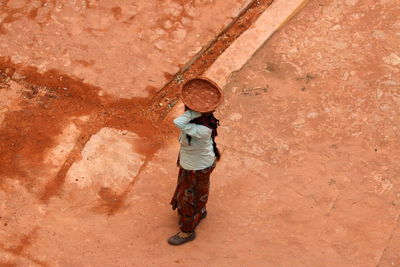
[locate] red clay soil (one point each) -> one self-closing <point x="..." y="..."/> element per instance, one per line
<point x="48" y="101"/>
<point x="51" y="98"/>
<point x="201" y="62"/>
<point x="309" y="138"/>
<point x="121" y="46"/>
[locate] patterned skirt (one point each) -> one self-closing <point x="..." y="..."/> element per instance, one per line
<point x="191" y="196"/>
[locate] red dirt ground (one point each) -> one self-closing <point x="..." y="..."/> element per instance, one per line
<point x="52" y="97"/>
<point x="47" y="101"/>
<point x="309" y="175"/>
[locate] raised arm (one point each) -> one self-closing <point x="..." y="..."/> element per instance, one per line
<point x="192" y="129"/>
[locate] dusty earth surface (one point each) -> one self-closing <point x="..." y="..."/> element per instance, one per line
<point x="116" y="45"/>
<point x="311" y="140"/>
<point x="309" y="135"/>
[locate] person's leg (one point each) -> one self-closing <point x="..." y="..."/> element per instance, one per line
<point x="174" y="202"/>
<point x="202" y="190"/>
<point x="183" y="200"/>
<point x="191" y="196"/>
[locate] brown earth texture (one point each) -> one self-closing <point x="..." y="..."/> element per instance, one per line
<point x="309" y="134"/>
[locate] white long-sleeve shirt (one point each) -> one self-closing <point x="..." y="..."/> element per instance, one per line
<point x="200" y="153"/>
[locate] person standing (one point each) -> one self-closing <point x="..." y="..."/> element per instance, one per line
<point x="197" y="159"/>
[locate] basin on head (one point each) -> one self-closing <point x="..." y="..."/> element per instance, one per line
<point x="201" y="94"/>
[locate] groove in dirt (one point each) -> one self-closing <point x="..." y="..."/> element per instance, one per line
<point x="169" y="94"/>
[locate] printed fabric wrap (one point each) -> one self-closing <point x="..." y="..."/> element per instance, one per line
<point x="191" y="196"/>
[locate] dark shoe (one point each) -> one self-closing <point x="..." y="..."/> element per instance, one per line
<point x="176" y="240"/>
